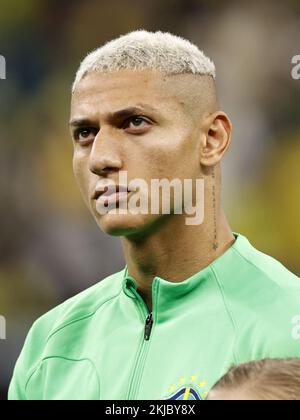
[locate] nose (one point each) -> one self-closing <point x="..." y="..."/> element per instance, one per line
<point x="105" y="154"/>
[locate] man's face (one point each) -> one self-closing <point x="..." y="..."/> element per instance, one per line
<point x="155" y="136"/>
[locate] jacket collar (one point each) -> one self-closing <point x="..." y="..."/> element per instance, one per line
<point x="166" y="291"/>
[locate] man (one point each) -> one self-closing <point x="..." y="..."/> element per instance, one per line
<point x="194" y="298"/>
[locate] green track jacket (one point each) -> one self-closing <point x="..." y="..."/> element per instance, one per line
<point x="103" y="343"/>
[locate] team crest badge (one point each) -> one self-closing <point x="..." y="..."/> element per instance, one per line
<point x="185" y="394"/>
<point x="188" y="389"/>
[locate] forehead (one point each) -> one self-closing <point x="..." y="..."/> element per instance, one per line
<point x="106" y="92"/>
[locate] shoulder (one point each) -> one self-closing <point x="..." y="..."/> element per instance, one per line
<point x="268" y="266"/>
<point x="263" y="298"/>
<point x="244" y="268"/>
<point x="81" y="306"/>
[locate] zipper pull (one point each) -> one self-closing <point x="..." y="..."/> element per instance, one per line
<point x="148" y="326"/>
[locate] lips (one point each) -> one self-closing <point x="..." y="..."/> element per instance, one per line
<point x="110" y="194"/>
<point x="111" y="189"/>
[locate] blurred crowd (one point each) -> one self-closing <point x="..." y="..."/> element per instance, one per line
<point x="50" y="248"/>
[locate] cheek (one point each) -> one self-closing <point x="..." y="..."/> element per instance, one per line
<point x="80" y="173"/>
<point x="171" y="156"/>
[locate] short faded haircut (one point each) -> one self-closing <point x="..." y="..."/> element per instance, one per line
<point x="143" y="50"/>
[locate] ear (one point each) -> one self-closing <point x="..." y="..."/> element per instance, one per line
<point x="216" y="139"/>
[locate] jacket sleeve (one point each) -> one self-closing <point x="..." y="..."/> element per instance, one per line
<point x="17" y="388"/>
<point x="31" y="355"/>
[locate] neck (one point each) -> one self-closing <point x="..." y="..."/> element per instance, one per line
<point x="176" y="251"/>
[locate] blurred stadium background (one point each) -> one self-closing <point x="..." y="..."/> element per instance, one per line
<point x="50" y="248"/>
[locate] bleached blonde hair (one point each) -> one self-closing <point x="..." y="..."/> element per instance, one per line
<point x="141" y="50"/>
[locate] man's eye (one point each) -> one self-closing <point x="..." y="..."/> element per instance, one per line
<point x="137" y="122"/>
<point x="85" y="134"/>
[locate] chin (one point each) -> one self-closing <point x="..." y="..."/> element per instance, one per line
<point x="123" y="224"/>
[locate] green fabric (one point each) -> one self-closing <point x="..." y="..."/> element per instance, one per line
<point x="240" y="308"/>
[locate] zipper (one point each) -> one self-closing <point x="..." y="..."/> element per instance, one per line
<point x="148" y="326"/>
<point x="144" y="345"/>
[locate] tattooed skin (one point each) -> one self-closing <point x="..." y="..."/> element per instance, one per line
<point x="214" y="204"/>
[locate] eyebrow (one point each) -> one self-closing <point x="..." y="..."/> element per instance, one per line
<point x="115" y="116"/>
